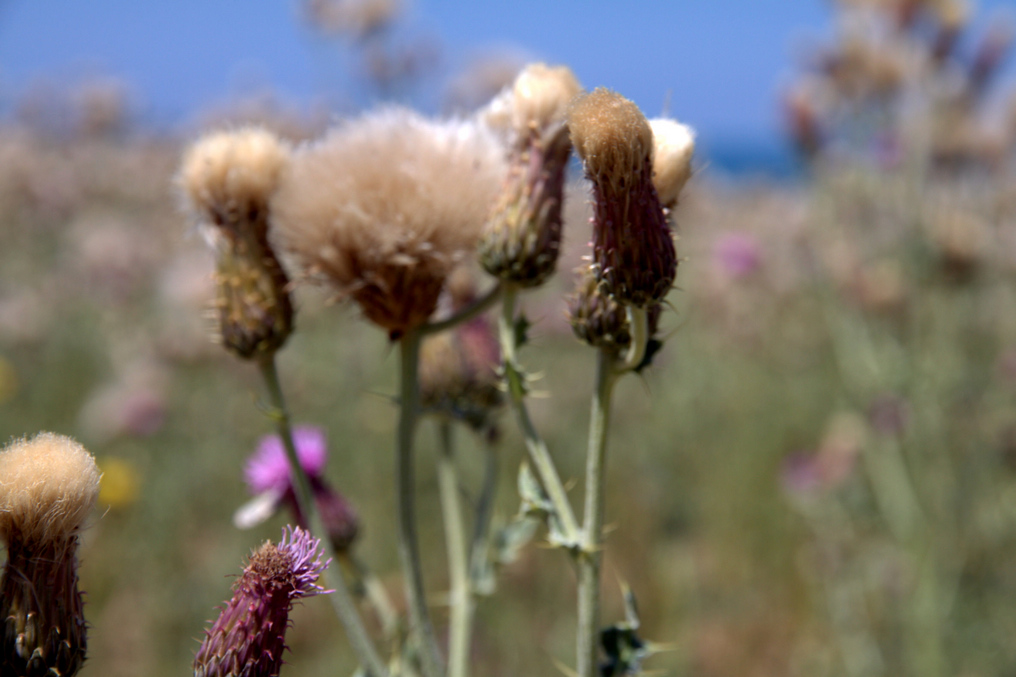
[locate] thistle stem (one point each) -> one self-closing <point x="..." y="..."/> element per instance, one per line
<point x="591" y="553"/>
<point x="460" y="594"/>
<point x="405" y="490"/>
<point x="464" y="315"/>
<point x="341" y="598"/>
<point x="538" y="453"/>
<point x="638" y="321"/>
<point x="479" y="551"/>
<point x="373" y="590"/>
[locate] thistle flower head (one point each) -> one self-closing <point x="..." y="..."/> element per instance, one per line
<point x="249" y="636"/>
<point x="228" y="176"/>
<point x="268" y="468"/>
<point x="612" y="137"/>
<point x="458" y="373"/>
<point x="674" y="146"/>
<point x="386" y="205"/>
<point x="633" y="249"/>
<point x="268" y="476"/>
<point x="227" y="179"/>
<point x="540" y="96"/>
<point x="48" y="485"/>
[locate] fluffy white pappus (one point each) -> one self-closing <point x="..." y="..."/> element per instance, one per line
<point x="538" y="98"/>
<point x="227" y="174"/>
<point x="48" y="485"/>
<point x="386" y="204"/>
<point x="674" y="146"/>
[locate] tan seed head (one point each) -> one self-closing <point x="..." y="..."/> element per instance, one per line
<point x="48" y="485"/>
<point x="226" y="176"/>
<point x="611" y="135"/>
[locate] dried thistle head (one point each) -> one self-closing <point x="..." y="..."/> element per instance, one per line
<point x="459" y="373"/>
<point x="227" y="180"/>
<point x="674" y="146"/>
<point x="228" y="177"/>
<point x="540" y="96"/>
<point x="48" y="485"/>
<point x="249" y="636"/>
<point x="633" y="249"/>
<point x="386" y="205"/>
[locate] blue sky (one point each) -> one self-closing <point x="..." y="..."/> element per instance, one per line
<point x="719" y="63"/>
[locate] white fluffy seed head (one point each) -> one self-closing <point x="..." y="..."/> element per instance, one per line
<point x="226" y="174"/>
<point x="48" y="485"/>
<point x="674" y="146"/>
<point x="386" y="205"/>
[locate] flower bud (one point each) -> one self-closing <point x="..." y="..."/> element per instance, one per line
<point x="48" y="485"/>
<point x="249" y="636"/>
<point x="522" y="239"/>
<point x="227" y="180"/>
<point x="601" y="321"/>
<point x="633" y="249"/>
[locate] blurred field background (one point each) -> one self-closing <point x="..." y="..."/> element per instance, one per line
<point x="817" y="477"/>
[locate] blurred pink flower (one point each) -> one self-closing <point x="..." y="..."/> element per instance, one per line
<point x="268" y="477"/>
<point x="268" y="468"/>
<point x="737" y="254"/>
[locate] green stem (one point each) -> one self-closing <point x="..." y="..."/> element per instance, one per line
<point x="374" y="592"/>
<point x="341" y="599"/>
<point x="405" y="490"/>
<point x="460" y="595"/>
<point x="538" y="453"/>
<point x="638" y="322"/>
<point x="592" y="555"/>
<point x="479" y="551"/>
<point x="468" y="313"/>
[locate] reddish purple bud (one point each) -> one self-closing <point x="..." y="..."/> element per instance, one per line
<point x="249" y="636"/>
<point x="633" y="248"/>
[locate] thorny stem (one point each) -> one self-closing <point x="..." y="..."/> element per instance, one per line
<point x="591" y="552"/>
<point x="538" y="454"/>
<point x="460" y="594"/>
<point x="341" y="599"/>
<point x="409" y="548"/>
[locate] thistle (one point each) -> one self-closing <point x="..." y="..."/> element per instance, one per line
<point x="268" y="476"/>
<point x="249" y="636"/>
<point x="459" y="372"/>
<point x="48" y="485"/>
<point x="633" y="249"/>
<point x="385" y="206"/>
<point x="522" y="239"/>
<point x="227" y="179"/>
<point x="599" y="320"/>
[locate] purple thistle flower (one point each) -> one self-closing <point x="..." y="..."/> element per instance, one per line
<point x="249" y="636"/>
<point x="268" y="468"/>
<point x="267" y="475"/>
